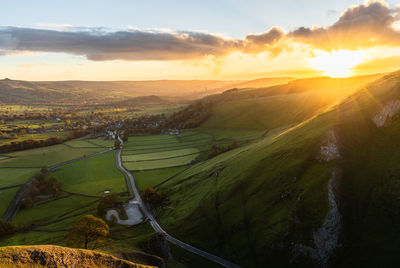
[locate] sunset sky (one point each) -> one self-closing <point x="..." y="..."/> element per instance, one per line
<point x="219" y="39"/>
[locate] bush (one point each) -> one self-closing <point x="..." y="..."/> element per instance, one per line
<point x="41" y="185"/>
<point x="106" y="203"/>
<point x="6" y="228"/>
<point x="216" y="149"/>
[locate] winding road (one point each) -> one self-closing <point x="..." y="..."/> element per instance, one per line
<point x="134" y="192"/>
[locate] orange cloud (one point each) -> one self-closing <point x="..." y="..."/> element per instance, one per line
<point x="362" y="26"/>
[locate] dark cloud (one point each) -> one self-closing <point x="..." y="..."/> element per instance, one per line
<point x="259" y="42"/>
<point x="361" y="26"/>
<point x="126" y="45"/>
<point x="100" y="45"/>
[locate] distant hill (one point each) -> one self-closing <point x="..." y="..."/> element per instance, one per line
<point x="55" y="256"/>
<point x="101" y="92"/>
<point x="265" y="82"/>
<point x="87" y="92"/>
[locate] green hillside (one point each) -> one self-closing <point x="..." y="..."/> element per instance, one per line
<point x="268" y="108"/>
<point x="265" y="202"/>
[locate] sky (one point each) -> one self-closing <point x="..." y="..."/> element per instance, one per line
<point x="219" y="39"/>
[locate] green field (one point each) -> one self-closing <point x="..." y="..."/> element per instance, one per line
<point x="102" y="142"/>
<point x="46" y="213"/>
<point x="81" y="144"/>
<point x="46" y="156"/>
<point x="137" y="140"/>
<point x="164" y="151"/>
<point x="154" y="177"/>
<point x="92" y="176"/>
<point x="158" y="155"/>
<point x="12" y="176"/>
<point x="5" y="198"/>
<point x="154" y="164"/>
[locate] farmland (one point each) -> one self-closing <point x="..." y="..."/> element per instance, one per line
<point x="18" y="167"/>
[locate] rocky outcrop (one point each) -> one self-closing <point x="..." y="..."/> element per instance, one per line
<point x="386" y="113"/>
<point x="329" y="149"/>
<point x="326" y="238"/>
<point x="55" y="256"/>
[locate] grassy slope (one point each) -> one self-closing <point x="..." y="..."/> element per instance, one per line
<point x="269" y="108"/>
<point x="153" y="177"/>
<point x="251" y="180"/>
<point x="267" y="196"/>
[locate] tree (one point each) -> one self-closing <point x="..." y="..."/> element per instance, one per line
<point x="148" y="192"/>
<point x="117" y="144"/>
<point x="89" y="231"/>
<point x="106" y="203"/>
<point x="6" y="228"/>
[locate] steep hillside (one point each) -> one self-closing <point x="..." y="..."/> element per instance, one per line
<point x="268" y="108"/>
<point x="322" y="192"/>
<point x="55" y="256"/>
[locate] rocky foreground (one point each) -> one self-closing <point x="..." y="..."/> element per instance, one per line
<point x="56" y="256"/>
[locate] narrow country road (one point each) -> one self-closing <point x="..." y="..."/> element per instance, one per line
<point x="135" y="194"/>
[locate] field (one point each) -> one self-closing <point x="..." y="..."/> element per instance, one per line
<point x="154" y="159"/>
<point x="92" y="176"/>
<point x="5" y="197"/>
<point x="92" y="143"/>
<point x="20" y="166"/>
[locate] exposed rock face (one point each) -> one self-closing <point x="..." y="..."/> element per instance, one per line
<point x="55" y="256"/>
<point x="387" y="112"/>
<point x="329" y="150"/>
<point x="326" y="238"/>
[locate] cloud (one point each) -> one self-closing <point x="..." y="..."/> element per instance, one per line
<point x="362" y="26"/>
<point x="53" y="25"/>
<point x="259" y="42"/>
<point x="98" y="44"/>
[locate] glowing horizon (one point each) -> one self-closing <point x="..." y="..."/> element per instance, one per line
<point x="360" y="38"/>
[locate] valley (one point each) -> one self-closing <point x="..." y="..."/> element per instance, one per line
<point x="248" y="159"/>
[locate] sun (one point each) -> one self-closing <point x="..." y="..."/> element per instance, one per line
<point x="337" y="63"/>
